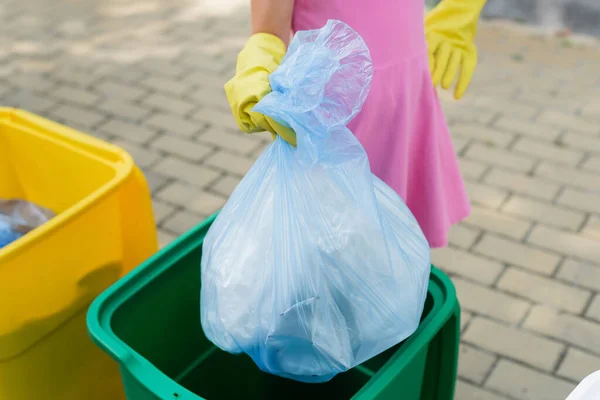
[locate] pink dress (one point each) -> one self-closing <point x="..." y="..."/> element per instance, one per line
<point x="401" y="126"/>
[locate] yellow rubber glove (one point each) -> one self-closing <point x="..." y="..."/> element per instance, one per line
<point x="450" y="31"/>
<point x="257" y="60"/>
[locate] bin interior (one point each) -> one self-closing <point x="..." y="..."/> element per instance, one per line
<point x="56" y="167"/>
<point x="161" y="322"/>
<point x="39" y="167"/>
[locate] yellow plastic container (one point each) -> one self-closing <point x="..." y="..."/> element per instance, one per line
<point x="104" y="227"/>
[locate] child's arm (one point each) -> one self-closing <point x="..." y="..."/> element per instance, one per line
<point x="450" y="30"/>
<point x="274" y="17"/>
<point x="271" y="32"/>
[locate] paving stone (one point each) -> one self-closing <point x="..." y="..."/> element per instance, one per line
<point x="36" y="82"/>
<point x="463" y="236"/>
<point x="506" y="107"/>
<point x="490" y="302"/>
<point x="516" y="253"/>
<point x="580" y="200"/>
<point x="474" y="364"/>
<point x="165" y="238"/>
<point x="567" y="121"/>
<point x="260" y="148"/>
<point x="483" y="134"/>
<point x="542" y="100"/>
<point x="500" y="157"/>
<point x="580" y="273"/>
<point x="526" y="128"/>
<point x="593" y="311"/>
<point x="203" y="61"/>
<point x="164" y="84"/>
<point x="592" y="227"/>
<point x="548" y="151"/>
<point x="74" y="95"/>
<point x="592" y="164"/>
<point x="465" y="318"/>
<point x="467" y="391"/>
<point x="497" y="222"/>
<point x="229" y="163"/>
<point x="129" y="74"/>
<point x="155" y="180"/>
<point x="117" y="90"/>
<point x="543" y="212"/>
<point x="460" y="144"/>
<point x="580" y="142"/>
<point x="204" y="78"/>
<point x="161" y="67"/>
<point x="467" y="265"/>
<point x="31" y="101"/>
<point x="127" y="131"/>
<point x="193" y="174"/>
<point x="123" y="109"/>
<point x="161" y="211"/>
<point x="513" y="343"/>
<point x="226" y="185"/>
<point x="544" y="290"/>
<point x="472" y="169"/>
<point x="215" y="97"/>
<point x="172" y="124"/>
<point x="71" y="76"/>
<point x="5" y="89"/>
<point x="78" y="115"/>
<point x="486" y="195"/>
<point x="181" y="222"/>
<point x="591" y="111"/>
<point x="524" y="383"/>
<point x="184" y="148"/>
<point x="143" y="157"/>
<point x="577" y="365"/>
<point x="236" y="142"/>
<point x="575" y="330"/>
<point x="566" y="243"/>
<point x="567" y="176"/>
<point x="217" y="118"/>
<point x="522" y="184"/>
<point x="168" y="104"/>
<point x="198" y="201"/>
<point x="98" y="135"/>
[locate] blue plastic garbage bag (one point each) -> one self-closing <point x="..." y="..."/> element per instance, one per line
<point x="7" y="234"/>
<point x="18" y="217"/>
<point x="314" y="265"/>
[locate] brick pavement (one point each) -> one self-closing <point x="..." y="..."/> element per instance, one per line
<point x="148" y="75"/>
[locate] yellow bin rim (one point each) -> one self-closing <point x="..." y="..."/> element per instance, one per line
<point x="77" y="142"/>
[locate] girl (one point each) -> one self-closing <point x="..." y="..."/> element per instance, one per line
<point x="401" y="126"/>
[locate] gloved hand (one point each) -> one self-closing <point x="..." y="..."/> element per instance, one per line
<point x="259" y="58"/>
<point x="450" y="31"/>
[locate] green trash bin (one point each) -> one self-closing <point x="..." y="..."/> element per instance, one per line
<point x="149" y="322"/>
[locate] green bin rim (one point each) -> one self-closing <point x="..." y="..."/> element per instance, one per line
<point x="100" y="314"/>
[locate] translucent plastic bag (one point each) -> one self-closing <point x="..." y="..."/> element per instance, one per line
<point x="314" y="265"/>
<point x="18" y="217"/>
